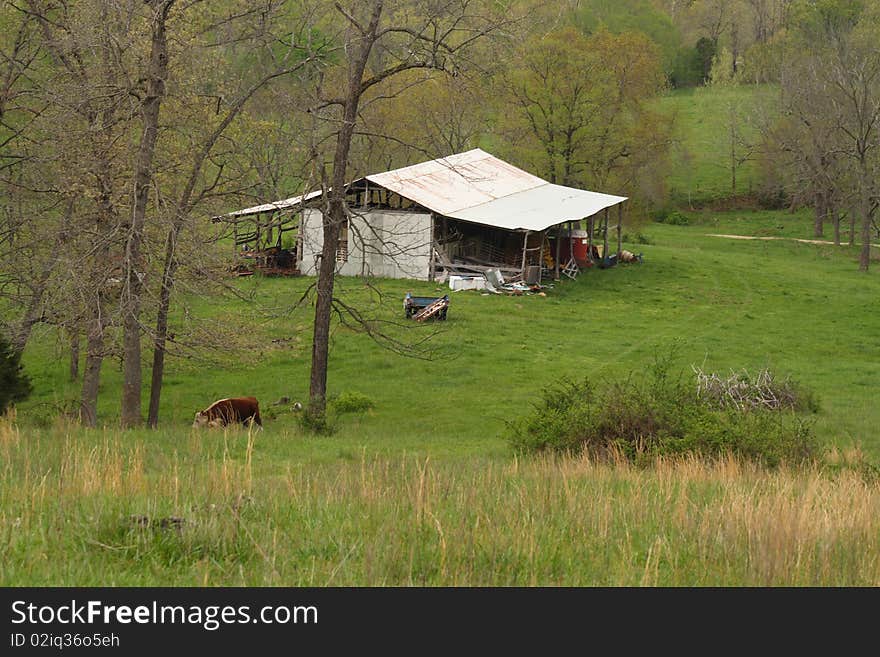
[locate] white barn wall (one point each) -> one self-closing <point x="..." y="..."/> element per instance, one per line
<point x="383" y="243"/>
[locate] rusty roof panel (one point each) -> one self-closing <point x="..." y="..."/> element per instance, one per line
<point x="476" y="186"/>
<point x="456" y="182"/>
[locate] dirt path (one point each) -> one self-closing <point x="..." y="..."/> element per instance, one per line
<point x="791" y="239"/>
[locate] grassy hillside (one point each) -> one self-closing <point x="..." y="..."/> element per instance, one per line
<point x="422" y="488"/>
<point x="701" y="154"/>
<point x="732" y="304"/>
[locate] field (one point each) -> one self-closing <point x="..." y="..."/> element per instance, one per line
<point x="730" y="304"/>
<point x="706" y="122"/>
<point x="423" y="488"/>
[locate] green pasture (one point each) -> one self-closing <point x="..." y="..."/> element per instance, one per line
<point x="797" y="309"/>
<point x="423" y="489"/>
<point x="705" y="122"/>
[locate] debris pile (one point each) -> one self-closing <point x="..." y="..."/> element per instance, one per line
<point x="742" y="391"/>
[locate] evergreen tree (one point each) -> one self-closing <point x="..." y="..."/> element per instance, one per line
<point x="14" y="383"/>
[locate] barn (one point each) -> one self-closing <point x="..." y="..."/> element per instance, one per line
<point x="461" y="214"/>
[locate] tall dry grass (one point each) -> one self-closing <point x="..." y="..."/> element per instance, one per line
<point x="84" y="507"/>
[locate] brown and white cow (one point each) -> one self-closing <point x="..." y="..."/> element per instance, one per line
<point x="222" y="412"/>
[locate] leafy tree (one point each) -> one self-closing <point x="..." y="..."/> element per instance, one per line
<point x="579" y="114"/>
<point x="706" y="49"/>
<point x="619" y="16"/>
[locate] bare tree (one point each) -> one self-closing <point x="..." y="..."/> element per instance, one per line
<point x="191" y="196"/>
<point x="130" y="302"/>
<point x="838" y="42"/>
<point x="85" y="110"/>
<point x="380" y="41"/>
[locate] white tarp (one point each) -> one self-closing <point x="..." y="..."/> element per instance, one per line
<point x="538" y="208"/>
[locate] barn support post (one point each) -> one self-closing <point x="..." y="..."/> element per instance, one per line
<point x="299" y="240"/>
<point x="591" y="226"/>
<point x="558" y="248"/>
<point x="619" y="226"/>
<point x="431" y="261"/>
<point x="570" y="242"/>
<point x="525" y="255"/>
<point x="605" y="237"/>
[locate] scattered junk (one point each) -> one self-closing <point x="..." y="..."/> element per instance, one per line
<point x="492" y="281"/>
<point x="608" y="261"/>
<point x="495" y="284"/>
<point x="629" y="256"/>
<point x="494" y="278"/>
<point x="475" y="282"/>
<point x="422" y="308"/>
<point x="272" y="260"/>
<point x="446" y="220"/>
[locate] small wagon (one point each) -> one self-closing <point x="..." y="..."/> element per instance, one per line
<point x="422" y="308"/>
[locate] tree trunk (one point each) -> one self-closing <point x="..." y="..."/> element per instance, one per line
<point x="74" y="355"/>
<point x="853" y="213"/>
<point x="836" y="218"/>
<point x="819" y="209"/>
<point x="92" y="374"/>
<point x="732" y="152"/>
<point x="34" y="311"/>
<point x="169" y="270"/>
<point x="131" y="294"/>
<point x="31" y="316"/>
<point x="159" y="341"/>
<point x="333" y="220"/>
<point x="865" y="202"/>
<point x="323" y="309"/>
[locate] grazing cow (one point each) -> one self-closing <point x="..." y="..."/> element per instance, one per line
<point x="229" y="411"/>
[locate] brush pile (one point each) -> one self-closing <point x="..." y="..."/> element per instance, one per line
<point x="742" y="391"/>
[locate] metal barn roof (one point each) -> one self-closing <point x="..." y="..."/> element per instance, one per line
<point x="283" y="204"/>
<point x="478" y="187"/>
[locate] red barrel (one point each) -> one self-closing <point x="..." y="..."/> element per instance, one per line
<point x="580" y="244"/>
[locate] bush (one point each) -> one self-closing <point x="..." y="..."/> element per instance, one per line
<point x="655" y="413"/>
<point x="15" y="386"/>
<point x="351" y="402"/>
<point x="638" y="238"/>
<point x="671" y="217"/>
<point x="316" y="423"/>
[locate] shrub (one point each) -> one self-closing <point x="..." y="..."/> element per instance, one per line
<point x="655" y="413"/>
<point x="315" y="423"/>
<point x="676" y="218"/>
<point x="638" y="238"/>
<point x="672" y="218"/>
<point x="15" y="386"/>
<point x="351" y="402"/>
